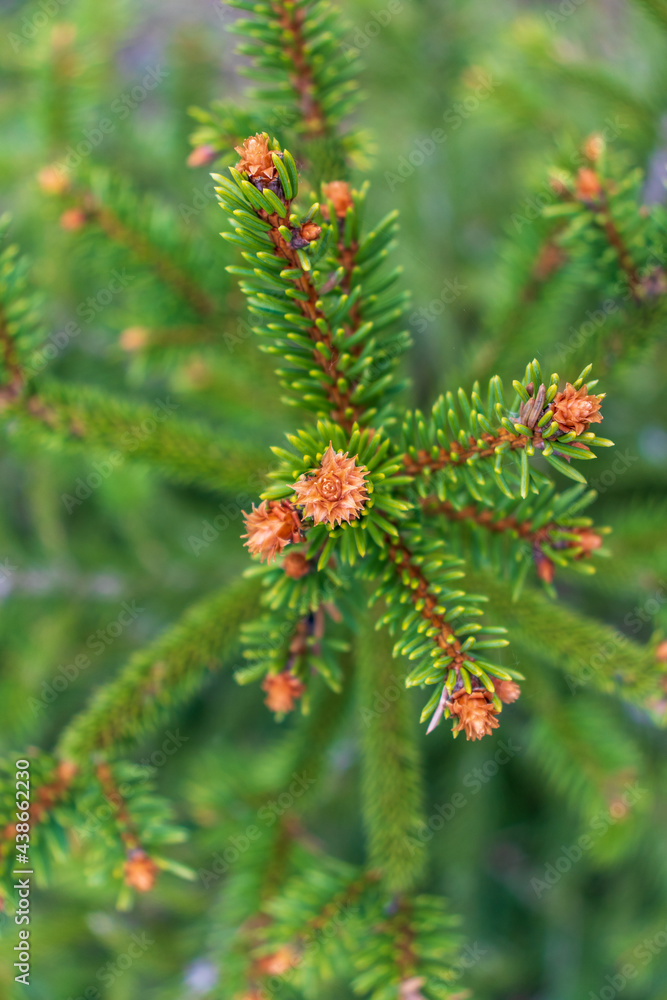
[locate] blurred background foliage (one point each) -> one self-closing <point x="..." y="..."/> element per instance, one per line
<point x="516" y="87"/>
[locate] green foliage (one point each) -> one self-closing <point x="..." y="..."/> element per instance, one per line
<point x="161" y="676"/>
<point x="313" y="842"/>
<point x="20" y="321"/>
<point x="305" y="71"/>
<point x="548" y="526"/>
<point x="117" y="429"/>
<point x="323" y="308"/>
<point x="391" y="779"/>
<point x="418" y="936"/>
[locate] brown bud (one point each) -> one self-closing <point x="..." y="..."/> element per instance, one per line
<point x="661" y="651"/>
<point x="270" y="527"/>
<point x="545" y="568"/>
<point x="475" y="712"/>
<point x="573" y="409"/>
<point x="73" y="219"/>
<point x="594" y="147"/>
<point x="507" y="691"/>
<point x="278" y="962"/>
<point x="410" y="989"/>
<point x="589" y="541"/>
<point x="67" y="771"/>
<point x="140" y="871"/>
<point x="53" y="180"/>
<point x="133" y="338"/>
<point x="282" y="690"/>
<point x="201" y="156"/>
<point x="310" y="232"/>
<point x="256" y="159"/>
<point x="340" y="196"/>
<point x="337" y="492"/>
<point x="588" y="185"/>
<point x="295" y="565"/>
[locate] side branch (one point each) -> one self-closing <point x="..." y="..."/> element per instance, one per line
<point x="165" y="268"/>
<point x="139" y="870"/>
<point x="426" y="602"/>
<point x="441" y="632"/>
<point x="326" y="354"/>
<point x="47" y="795"/>
<point x="11" y="390"/>
<point x="456" y="453"/>
<point x="555" y="539"/>
<point x="163" y="675"/>
<point x="291" y="19"/>
<point x="86" y="207"/>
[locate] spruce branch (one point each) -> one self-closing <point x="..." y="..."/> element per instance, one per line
<point x="340" y="354"/>
<point x="21" y="328"/>
<point x="13" y="378"/>
<point x="120" y="828"/>
<point x="100" y="204"/>
<point x="136" y="242"/>
<point x="607" y="229"/>
<point x="36" y="819"/>
<point x="140" y="871"/>
<point x="464" y="434"/>
<point x="72" y="416"/>
<point x="439" y="631"/>
<point x="300" y="60"/>
<point x="592" y="655"/>
<point x="585" y="749"/>
<point x="391" y="775"/>
<point x="156" y="680"/>
<point x="411" y="952"/>
<point x="311" y="926"/>
<point x="548" y="529"/>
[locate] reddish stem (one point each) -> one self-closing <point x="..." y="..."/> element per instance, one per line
<point x="456" y="454"/>
<point x="291" y="20"/>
